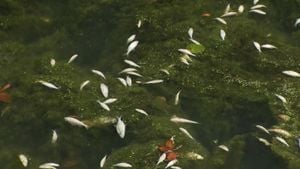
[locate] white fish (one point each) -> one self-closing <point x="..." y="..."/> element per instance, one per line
<point x="297" y="22"/>
<point x="268" y="46"/>
<point x="194" y="156"/>
<point x="176" y="119"/>
<point x="190" y="32"/>
<point x="104" y="90"/>
<point x="176" y="101"/>
<point x="139" y="24"/>
<point x="72" y="58"/>
<point x="120" y="127"/>
<point x="103" y="105"/>
<point x="258" y="6"/>
<point x="186" y="51"/>
<point x="123" y="81"/>
<point x="221" y="20"/>
<point x="84" y="84"/>
<point x="134" y="74"/>
<point x="222" y="34"/>
<point x="229" y="14"/>
<point x="165" y="71"/>
<point x="266" y="142"/>
<point x="102" y="162"/>
<point x="123" y="164"/>
<point x="195" y="42"/>
<point x="291" y="73"/>
<point x="186" y="133"/>
<point x="255" y="2"/>
<point x="128" y="81"/>
<point x="283" y="99"/>
<point x="110" y="100"/>
<point x="154" y="81"/>
<point x="258" y="11"/>
<point x="227" y="9"/>
<point x="161" y="158"/>
<point x="99" y="73"/>
<point x="54" y="137"/>
<point x="23" y="159"/>
<point x="241" y="9"/>
<point x="223" y="147"/>
<point x="281" y="140"/>
<point x="131" y="47"/>
<point x="47" y="84"/>
<point x="132" y="63"/>
<point x="131" y="38"/>
<point x="128" y="70"/>
<point x="52" y="62"/>
<point x="171" y="163"/>
<point x="257" y="46"/>
<point x="142" y="111"/>
<point x="75" y="122"/>
<point x="262" y="128"/>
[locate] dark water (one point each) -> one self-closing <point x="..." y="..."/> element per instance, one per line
<point x="228" y="87"/>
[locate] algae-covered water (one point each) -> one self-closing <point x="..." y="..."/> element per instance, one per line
<point x="229" y="87"/>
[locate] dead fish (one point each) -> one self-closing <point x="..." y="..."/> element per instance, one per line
<point x="99" y="73"/>
<point x="123" y="164"/>
<point x="23" y="159"/>
<point x="132" y="63"/>
<point x="120" y="127"/>
<point x="190" y="32"/>
<point x="262" y="128"/>
<point x="194" y="156"/>
<point x="131" y="38"/>
<point x="171" y="163"/>
<point x="176" y="101"/>
<point x="281" y="140"/>
<point x="165" y="71"/>
<point x="186" y="51"/>
<point x="176" y="119"/>
<point x="223" y="147"/>
<point x="221" y="20"/>
<point x="83" y="84"/>
<point x="257" y="46"/>
<point x="229" y="14"/>
<point x="161" y="158"/>
<point x="258" y="11"/>
<point x="222" y="34"/>
<point x="142" y="111"/>
<point x="128" y="70"/>
<point x="123" y="81"/>
<point x="102" y="162"/>
<point x="280" y="132"/>
<point x="134" y="74"/>
<point x="139" y="24"/>
<point x="75" y="122"/>
<point x="131" y="47"/>
<point x="258" y="6"/>
<point x="255" y="2"/>
<point x="54" y="137"/>
<point x="241" y="9"/>
<point x="103" y="105"/>
<point x="281" y="98"/>
<point x="104" y="90"/>
<point x="128" y="81"/>
<point x="268" y="46"/>
<point x="297" y="22"/>
<point x="110" y="100"/>
<point x="264" y="141"/>
<point x="291" y="73"/>
<point x="72" y="58"/>
<point x="47" y="84"/>
<point x="52" y="62"/>
<point x="154" y="81"/>
<point x="186" y="133"/>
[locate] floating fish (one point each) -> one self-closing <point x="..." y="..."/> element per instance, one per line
<point x="99" y="73"/>
<point x="165" y="71"/>
<point x="176" y="119"/>
<point x="120" y="127"/>
<point x="176" y="101"/>
<point x="291" y="73"/>
<point x="23" y="159"/>
<point x="139" y="24"/>
<point x="131" y="38"/>
<point x="102" y="162"/>
<point x="103" y="105"/>
<point x="132" y="63"/>
<point x="258" y="11"/>
<point x="123" y="81"/>
<point x="47" y="84"/>
<point x="186" y="133"/>
<point x="266" y="142"/>
<point x="52" y="62"/>
<point x="128" y="81"/>
<point x="134" y="74"/>
<point x="161" y="158"/>
<point x="104" y="90"/>
<point x="223" y="147"/>
<point x="297" y="22"/>
<point x="262" y="128"/>
<point x="241" y="9"/>
<point x="221" y="20"/>
<point x="131" y="47"/>
<point x="257" y="46"/>
<point x="281" y="132"/>
<point x="123" y="164"/>
<point x="258" y="6"/>
<point x="142" y="111"/>
<point x="190" y="32"/>
<point x="222" y="34"/>
<point x="186" y="51"/>
<point x="268" y="46"/>
<point x="83" y="84"/>
<point x="171" y="163"/>
<point x="281" y="140"/>
<point x="75" y="122"/>
<point x="110" y="100"/>
<point x="72" y="58"/>
<point x="194" y="156"/>
<point x="54" y="137"/>
<point x="255" y="2"/>
<point x="281" y="98"/>
<point x="229" y="14"/>
<point x="154" y="81"/>
<point x="128" y="70"/>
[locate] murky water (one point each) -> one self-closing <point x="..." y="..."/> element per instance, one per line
<point x="228" y="87"/>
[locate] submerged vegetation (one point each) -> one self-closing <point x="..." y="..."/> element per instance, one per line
<point x="229" y="87"/>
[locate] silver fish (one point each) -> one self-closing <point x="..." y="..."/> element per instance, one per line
<point x="104" y="90"/>
<point x="142" y="111"/>
<point x="186" y="133"/>
<point x="72" y="58"/>
<point x="103" y="105"/>
<point x="120" y="127"/>
<point x="291" y="73"/>
<point x="222" y="34"/>
<point x="131" y="38"/>
<point x="102" y="162"/>
<point x="75" y="122"/>
<point x="176" y="119"/>
<point x="99" y="73"/>
<point x="47" y="84"/>
<point x="131" y="63"/>
<point x="131" y="47"/>
<point x="83" y="84"/>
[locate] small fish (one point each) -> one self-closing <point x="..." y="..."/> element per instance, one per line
<point x="190" y="32"/>
<point x="283" y="99"/>
<point x="23" y="159"/>
<point x="54" y="137"/>
<point x="268" y="46"/>
<point x="123" y="81"/>
<point x="128" y="81"/>
<point x="186" y="51"/>
<point x="255" y="2"/>
<point x="258" y="6"/>
<point x="72" y="58"/>
<point x="221" y="20"/>
<point x="139" y="24"/>
<point x="227" y="9"/>
<point x="131" y="38"/>
<point x="281" y="140"/>
<point x="258" y="11"/>
<point x="176" y="119"/>
<point x="52" y="62"/>
<point x="171" y="163"/>
<point x="223" y="147"/>
<point x="134" y="74"/>
<point x="99" y="73"/>
<point x="241" y="9"/>
<point x="222" y="34"/>
<point x="154" y="81"/>
<point x="257" y="46"/>
<point x="132" y="63"/>
<point x="47" y="84"/>
<point x="165" y="71"/>
<point x="110" y="100"/>
<point x="297" y="22"/>
<point x="266" y="142"/>
<point x="83" y="84"/>
<point x="262" y="128"/>
<point x="120" y="127"/>
<point x="229" y="14"/>
<point x="281" y="132"/>
<point x="291" y="73"/>
<point x="142" y="111"/>
<point x="102" y="162"/>
<point x="161" y="158"/>
<point x="186" y="133"/>
<point x="194" y="156"/>
<point x="123" y="164"/>
<point x="131" y="47"/>
<point x="176" y="101"/>
<point x="75" y="122"/>
<point x="103" y="105"/>
<point x="104" y="90"/>
<point x="128" y="70"/>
